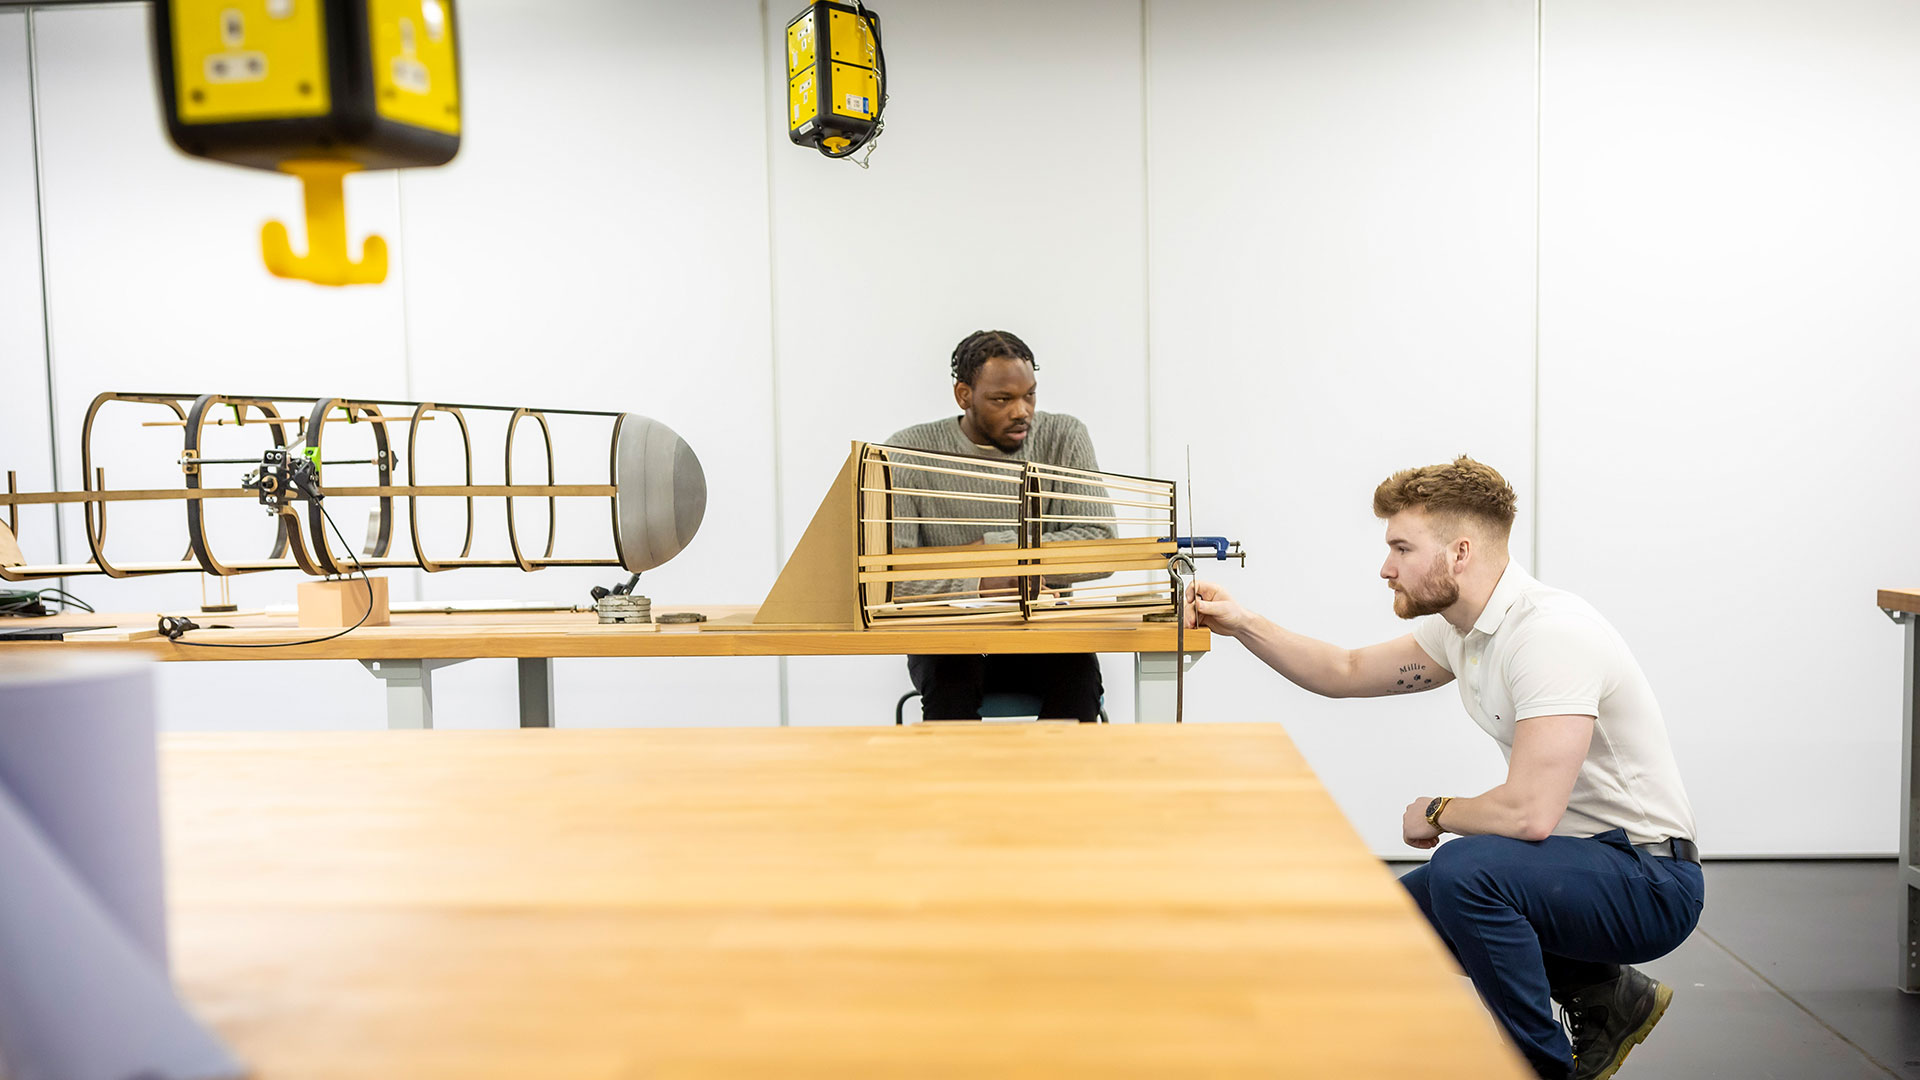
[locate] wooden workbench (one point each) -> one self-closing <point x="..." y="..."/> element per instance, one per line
<point x="938" y="900"/>
<point x="405" y="654"/>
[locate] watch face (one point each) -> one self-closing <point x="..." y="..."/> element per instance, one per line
<point x="1432" y="807"/>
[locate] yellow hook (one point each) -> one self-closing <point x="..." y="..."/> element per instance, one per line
<point x="325" y="262"/>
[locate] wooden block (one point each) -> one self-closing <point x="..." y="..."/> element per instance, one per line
<point x="340" y="602"/>
<point x="113" y="633"/>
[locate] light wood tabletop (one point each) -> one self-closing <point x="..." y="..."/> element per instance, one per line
<point x="938" y="900"/>
<point x="471" y="635"/>
<point x="1907" y="600"/>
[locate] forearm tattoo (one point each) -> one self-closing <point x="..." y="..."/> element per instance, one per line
<point x="1412" y="680"/>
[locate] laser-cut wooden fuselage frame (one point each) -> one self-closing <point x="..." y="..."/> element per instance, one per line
<point x="302" y="542"/>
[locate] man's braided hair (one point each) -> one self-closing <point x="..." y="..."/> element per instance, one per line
<point x="983" y="345"/>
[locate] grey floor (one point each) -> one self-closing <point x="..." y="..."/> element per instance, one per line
<point x="1790" y="976"/>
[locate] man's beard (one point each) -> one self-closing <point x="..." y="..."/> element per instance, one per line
<point x="1442" y="592"/>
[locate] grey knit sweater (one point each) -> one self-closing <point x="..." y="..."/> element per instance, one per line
<point x="1052" y="439"/>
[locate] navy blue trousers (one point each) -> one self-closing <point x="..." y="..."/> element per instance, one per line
<point x="1528" y="920"/>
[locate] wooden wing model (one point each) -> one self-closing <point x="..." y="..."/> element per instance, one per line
<point x="1056" y="543"/>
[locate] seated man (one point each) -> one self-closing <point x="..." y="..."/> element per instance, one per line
<point x="993" y="383"/>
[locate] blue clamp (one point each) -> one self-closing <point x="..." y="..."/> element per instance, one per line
<point x="1218" y="544"/>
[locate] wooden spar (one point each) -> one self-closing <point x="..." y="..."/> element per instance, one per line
<point x="1079" y="589"/>
<point x="983" y="463"/>
<point x="1060" y="495"/>
<point x="297" y="420"/>
<point x="968" y="496"/>
<point x="1043" y="469"/>
<point x="950" y="472"/>
<point x="900" y="605"/>
<point x="977" y="554"/>
<point x="1105" y="566"/>
<point x="33" y="498"/>
<point x="936" y="521"/>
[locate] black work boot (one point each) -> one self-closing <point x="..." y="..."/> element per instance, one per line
<point x="1610" y="1018"/>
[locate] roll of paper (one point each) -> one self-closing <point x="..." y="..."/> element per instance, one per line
<point x="85" y="992"/>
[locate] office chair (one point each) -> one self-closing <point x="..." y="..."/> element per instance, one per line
<point x="994" y="706"/>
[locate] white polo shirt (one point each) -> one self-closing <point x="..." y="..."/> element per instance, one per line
<point x="1540" y="651"/>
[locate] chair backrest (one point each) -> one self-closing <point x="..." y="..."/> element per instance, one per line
<point x="996" y="706"/>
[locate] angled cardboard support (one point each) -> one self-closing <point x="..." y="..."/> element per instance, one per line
<point x="818" y="586"/>
<point x="10" y="548"/>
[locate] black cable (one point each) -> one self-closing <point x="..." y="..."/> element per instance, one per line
<point x="879" y="114"/>
<point x="29" y="603"/>
<point x="173" y="633"/>
<point x="67" y="599"/>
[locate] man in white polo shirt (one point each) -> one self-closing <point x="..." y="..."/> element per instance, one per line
<point x="1583" y="859"/>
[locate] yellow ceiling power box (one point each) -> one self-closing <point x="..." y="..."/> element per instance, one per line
<point x="315" y="88"/>
<point x="836" y="77"/>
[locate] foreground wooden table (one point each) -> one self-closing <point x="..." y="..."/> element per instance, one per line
<point x="938" y="900"/>
<point x="405" y="654"/>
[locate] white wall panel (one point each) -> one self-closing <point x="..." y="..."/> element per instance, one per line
<point x="1727" y="356"/>
<point x="25" y="446"/>
<point x="1342" y="286"/>
<point x="155" y="284"/>
<point x="1299" y="238"/>
<point x="1005" y="193"/>
<point x="600" y="242"/>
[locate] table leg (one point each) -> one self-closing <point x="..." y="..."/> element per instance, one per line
<point x="409" y="690"/>
<point x="1909" y="929"/>
<point x="1155" y="676"/>
<point x="536" y="691"/>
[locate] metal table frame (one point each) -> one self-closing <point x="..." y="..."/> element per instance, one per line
<point x="1909" y="928"/>
<point x="410" y="688"/>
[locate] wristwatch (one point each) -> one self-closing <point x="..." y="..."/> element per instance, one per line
<point x="1433" y="811"/>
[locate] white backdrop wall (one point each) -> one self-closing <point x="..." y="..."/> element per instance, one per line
<point x="1342" y="286"/>
<point x="965" y="222"/>
<point x="1728" y="338"/>
<point x="25" y="442"/>
<point x="1650" y="259"/>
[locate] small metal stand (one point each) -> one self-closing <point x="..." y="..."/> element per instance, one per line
<point x="223" y="603"/>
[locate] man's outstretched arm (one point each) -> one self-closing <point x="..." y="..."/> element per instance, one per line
<point x="1399" y="666"/>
